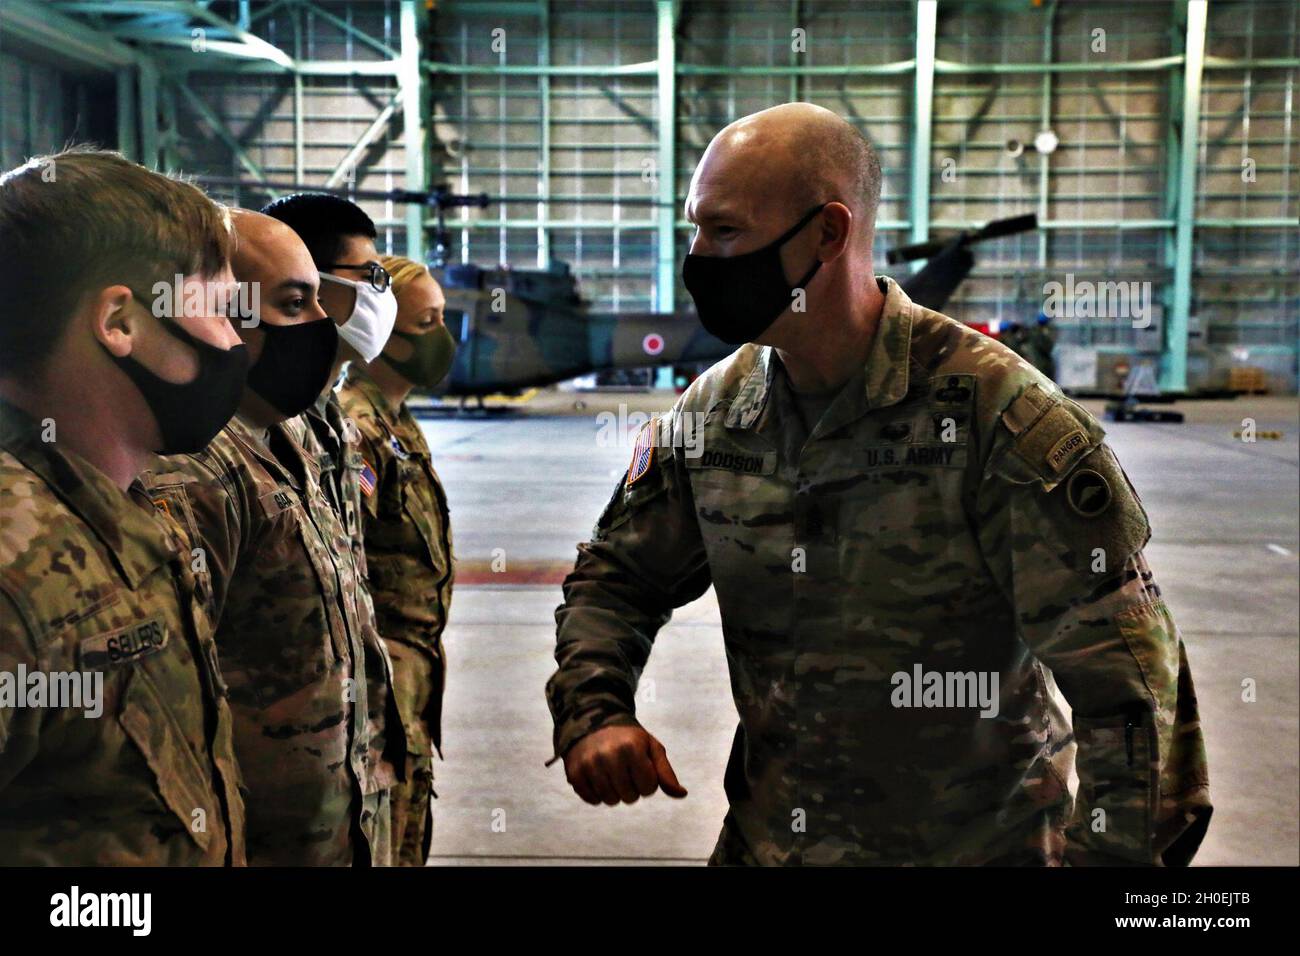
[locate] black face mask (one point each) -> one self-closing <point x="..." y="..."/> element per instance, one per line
<point x="738" y="297"/>
<point x="295" y="364"/>
<point x="190" y="415"/>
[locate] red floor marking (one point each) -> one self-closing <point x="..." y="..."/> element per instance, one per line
<point x="471" y="573"/>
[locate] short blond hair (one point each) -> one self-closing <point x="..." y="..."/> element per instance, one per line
<point x="403" y="271"/>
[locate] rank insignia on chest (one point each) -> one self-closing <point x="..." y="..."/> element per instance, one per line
<point x="643" y="453"/>
<point x="398" y="448"/>
<point x="367" y="478"/>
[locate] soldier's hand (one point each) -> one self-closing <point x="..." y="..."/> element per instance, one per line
<point x="616" y="764"/>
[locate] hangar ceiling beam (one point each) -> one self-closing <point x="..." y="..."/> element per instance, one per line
<point x="544" y="122"/>
<point x="62" y="36"/>
<point x="256" y="46"/>
<point x="1045" y="122"/>
<point x="349" y="29"/>
<point x="666" y="160"/>
<point x="224" y="134"/>
<point x="922" y="114"/>
<point x="127" y="143"/>
<point x="409" y="93"/>
<point x="1173" y="367"/>
<point x="346" y="167"/>
<point x="148" y="110"/>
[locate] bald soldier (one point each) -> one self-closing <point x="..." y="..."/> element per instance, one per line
<point x="355" y="292"/>
<point x="115" y="732"/>
<point x="295" y="626"/>
<point x="912" y="535"/>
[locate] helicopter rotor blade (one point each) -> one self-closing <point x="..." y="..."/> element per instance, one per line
<point x="993" y="230"/>
<point x="437" y="198"/>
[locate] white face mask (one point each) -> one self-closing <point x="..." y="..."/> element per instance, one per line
<point x="371" y="323"/>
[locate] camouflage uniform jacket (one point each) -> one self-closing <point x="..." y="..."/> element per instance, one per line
<point x="952" y="517"/>
<point x="332" y="438"/>
<point x="408" y="535"/>
<point x="93" y="580"/>
<point x="286" y="599"/>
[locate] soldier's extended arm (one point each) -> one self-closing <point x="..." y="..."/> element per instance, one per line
<point x="1063" y="532"/>
<point x="646" y="557"/>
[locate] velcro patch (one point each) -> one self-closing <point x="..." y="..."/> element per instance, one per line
<point x="1053" y="444"/>
<point x="1026" y="410"/>
<point x="274" y="502"/>
<point x="124" y="645"/>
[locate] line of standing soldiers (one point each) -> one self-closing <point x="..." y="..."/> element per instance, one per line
<point x="193" y="515"/>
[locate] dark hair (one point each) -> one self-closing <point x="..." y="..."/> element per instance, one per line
<point x="83" y="219"/>
<point x="322" y="221"/>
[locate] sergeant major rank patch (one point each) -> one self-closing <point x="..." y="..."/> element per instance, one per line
<point x="367" y="479"/>
<point x="643" y="452"/>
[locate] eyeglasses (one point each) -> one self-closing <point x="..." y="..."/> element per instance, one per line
<point x="377" y="274"/>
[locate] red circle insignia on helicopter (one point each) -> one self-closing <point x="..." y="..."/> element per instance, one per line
<point x="653" y="343"/>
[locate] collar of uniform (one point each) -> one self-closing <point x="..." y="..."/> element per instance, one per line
<point x="360" y="379"/>
<point x="319" y="409"/>
<point x="138" y="542"/>
<point x="886" y="368"/>
<point x="258" y="442"/>
<point x="884" y="374"/>
<point x="752" y="397"/>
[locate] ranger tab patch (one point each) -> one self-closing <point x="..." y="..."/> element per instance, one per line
<point x="125" y="645"/>
<point x="1063" y="451"/>
<point x="643" y="452"/>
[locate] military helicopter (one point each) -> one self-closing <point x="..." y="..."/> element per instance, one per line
<point x="523" y="328"/>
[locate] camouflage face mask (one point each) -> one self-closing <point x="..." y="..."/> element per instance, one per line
<point x="431" y="356"/>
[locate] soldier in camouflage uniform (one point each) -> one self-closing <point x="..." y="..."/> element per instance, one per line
<point x="408" y="535"/>
<point x="355" y="290"/>
<point x="897" y="514"/>
<point x="92" y="579"/>
<point x="295" y="624"/>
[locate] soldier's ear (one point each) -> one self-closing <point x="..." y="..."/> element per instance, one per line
<point x="837" y="225"/>
<point x="112" y="318"/>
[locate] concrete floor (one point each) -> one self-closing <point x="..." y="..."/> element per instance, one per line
<point x="532" y="483"/>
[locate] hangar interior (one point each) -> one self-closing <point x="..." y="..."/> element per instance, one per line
<point x="579" y="106"/>
<point x="1157" y="142"/>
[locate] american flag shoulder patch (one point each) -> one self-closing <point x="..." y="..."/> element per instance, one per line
<point x="643" y="452"/>
<point x="367" y="479"/>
